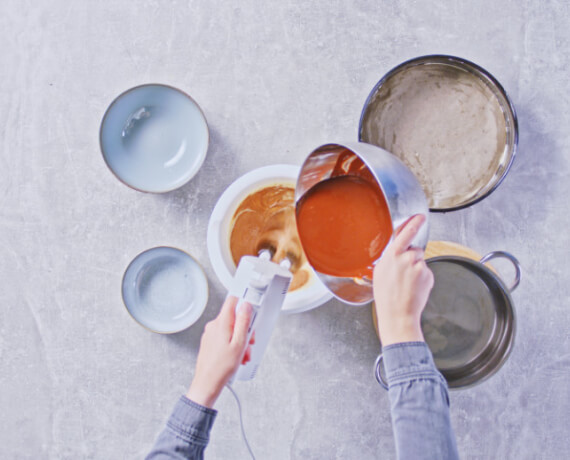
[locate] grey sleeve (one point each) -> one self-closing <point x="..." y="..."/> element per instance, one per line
<point x="186" y="434"/>
<point x="419" y="403"/>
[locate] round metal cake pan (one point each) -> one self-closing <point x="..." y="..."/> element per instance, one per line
<point x="385" y="100"/>
<point x="469" y="322"/>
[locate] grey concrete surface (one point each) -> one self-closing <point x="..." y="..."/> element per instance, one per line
<point x="80" y="379"/>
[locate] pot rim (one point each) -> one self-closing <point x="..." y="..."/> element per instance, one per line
<point x="486" y="74"/>
<point x="503" y="349"/>
<point x="362" y="150"/>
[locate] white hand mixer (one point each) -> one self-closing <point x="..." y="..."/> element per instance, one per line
<point x="264" y="285"/>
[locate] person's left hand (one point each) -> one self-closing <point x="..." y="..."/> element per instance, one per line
<point x="222" y="348"/>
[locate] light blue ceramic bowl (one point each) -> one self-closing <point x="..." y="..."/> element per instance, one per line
<point x="154" y="138"/>
<point x="165" y="290"/>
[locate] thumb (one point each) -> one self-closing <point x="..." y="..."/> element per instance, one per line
<point x="241" y="325"/>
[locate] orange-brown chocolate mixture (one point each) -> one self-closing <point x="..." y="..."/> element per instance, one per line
<point x="344" y="221"/>
<point x="265" y="219"/>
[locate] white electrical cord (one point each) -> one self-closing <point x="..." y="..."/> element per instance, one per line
<point x="241" y="421"/>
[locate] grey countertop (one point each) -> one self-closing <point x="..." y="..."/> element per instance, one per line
<point x="80" y="379"/>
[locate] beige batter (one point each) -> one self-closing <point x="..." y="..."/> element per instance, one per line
<point x="446" y="125"/>
<point x="265" y="219"/>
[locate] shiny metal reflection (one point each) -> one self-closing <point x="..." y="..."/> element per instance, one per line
<point x="469" y="321"/>
<point x="380" y="97"/>
<point x="400" y="188"/>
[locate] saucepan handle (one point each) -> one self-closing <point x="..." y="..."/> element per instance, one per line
<point x="377" y="372"/>
<point x="513" y="259"/>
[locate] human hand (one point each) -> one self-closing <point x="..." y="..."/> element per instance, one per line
<point x="222" y="348"/>
<point x="402" y="283"/>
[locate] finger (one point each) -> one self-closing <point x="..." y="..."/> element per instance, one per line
<point x="430" y="278"/>
<point x="427" y="274"/>
<point x="228" y="312"/>
<point x="414" y="255"/>
<point x="241" y="326"/>
<point x="246" y="356"/>
<point x="407" y="232"/>
<point x="424" y="272"/>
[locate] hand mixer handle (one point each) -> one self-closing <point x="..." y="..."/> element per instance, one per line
<point x="264" y="285"/>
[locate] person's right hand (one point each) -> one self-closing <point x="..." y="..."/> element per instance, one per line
<point x="223" y="348"/>
<point x="402" y="283"/>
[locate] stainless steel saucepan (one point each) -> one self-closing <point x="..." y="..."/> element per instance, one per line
<point x="469" y="321"/>
<point x="402" y="191"/>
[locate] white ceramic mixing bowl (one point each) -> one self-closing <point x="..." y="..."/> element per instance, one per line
<point x="312" y="294"/>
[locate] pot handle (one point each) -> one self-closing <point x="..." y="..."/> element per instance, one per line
<point x="513" y="259"/>
<point x="377" y="372"/>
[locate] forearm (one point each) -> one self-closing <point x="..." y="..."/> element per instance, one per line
<point x="186" y="434"/>
<point x="419" y="403"/>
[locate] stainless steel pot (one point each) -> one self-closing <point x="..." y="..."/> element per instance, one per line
<point x="469" y="321"/>
<point x="389" y="100"/>
<point x="400" y="188"/>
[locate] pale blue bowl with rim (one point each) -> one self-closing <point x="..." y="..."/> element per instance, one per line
<point x="154" y="138"/>
<point x="165" y="290"/>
